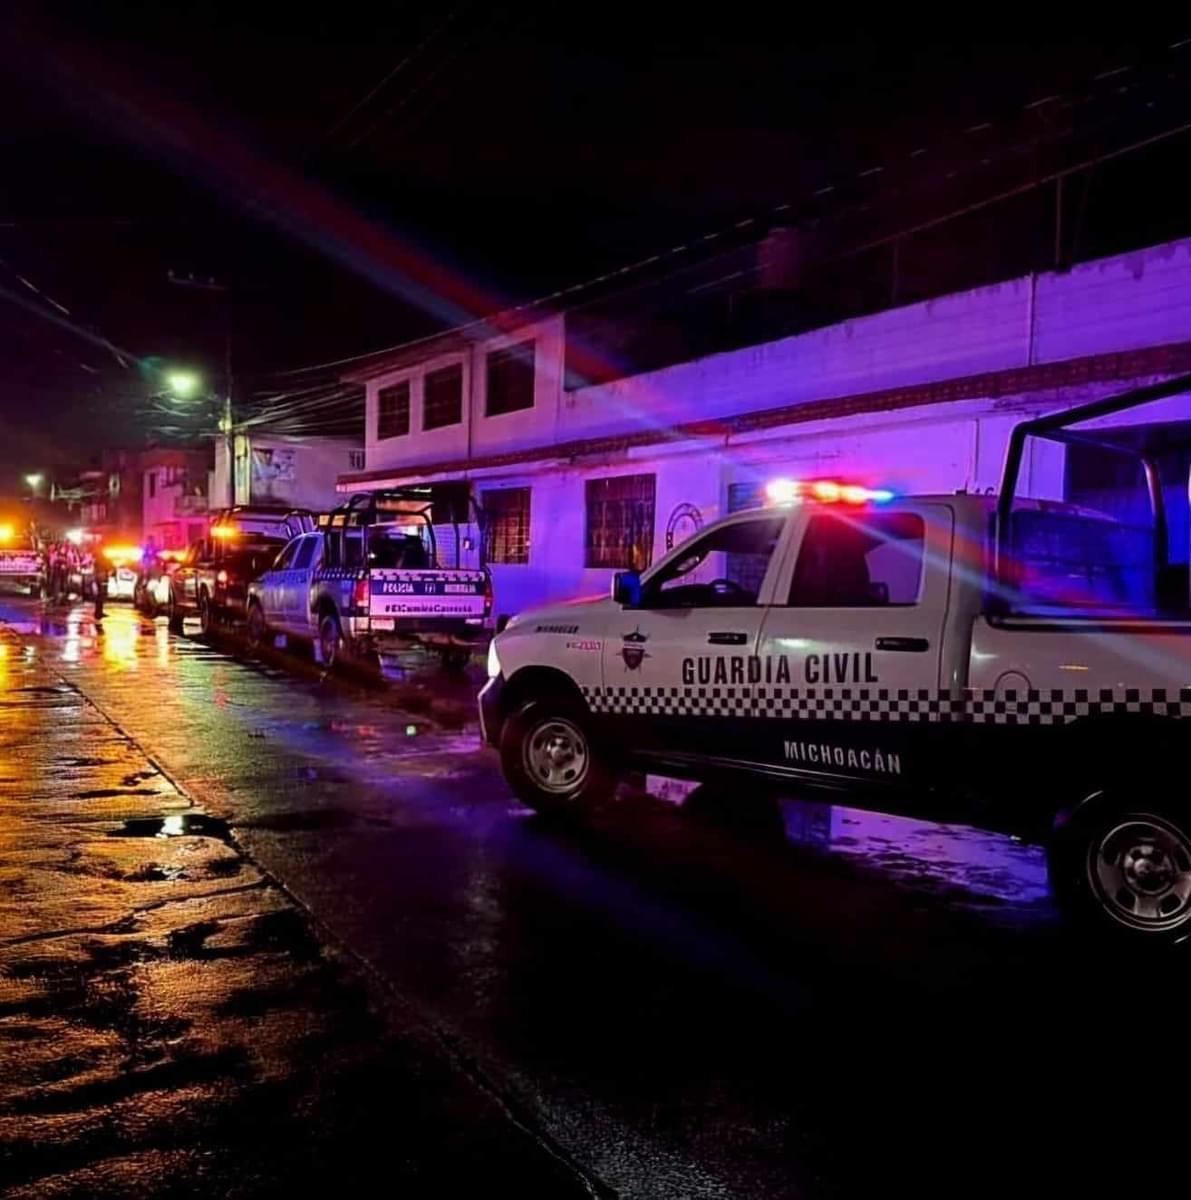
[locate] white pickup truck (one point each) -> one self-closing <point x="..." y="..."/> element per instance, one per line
<point x="1015" y="663"/>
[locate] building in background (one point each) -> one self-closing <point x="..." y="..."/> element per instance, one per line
<point x="174" y="494"/>
<point x="581" y="479"/>
<point x="271" y="468"/>
<point x="105" y="497"/>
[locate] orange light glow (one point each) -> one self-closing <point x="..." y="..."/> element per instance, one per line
<point x="122" y="555"/>
<point x="224" y="531"/>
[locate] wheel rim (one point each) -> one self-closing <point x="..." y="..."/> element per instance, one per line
<point x="1140" y="871"/>
<point x="556" y="756"/>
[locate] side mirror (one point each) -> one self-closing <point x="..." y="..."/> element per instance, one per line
<point x="626" y="589"/>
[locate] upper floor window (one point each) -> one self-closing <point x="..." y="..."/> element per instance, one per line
<point x="152" y="484"/>
<point x="392" y="411"/>
<point x="620" y="521"/>
<point x="442" y="402"/>
<point x="510" y="379"/>
<point x="355" y="460"/>
<point x="506" y="525"/>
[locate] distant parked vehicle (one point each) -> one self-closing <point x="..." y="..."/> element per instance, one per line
<point x="211" y="580"/>
<point x="20" y="558"/>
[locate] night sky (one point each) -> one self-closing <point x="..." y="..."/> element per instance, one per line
<point x="355" y="176"/>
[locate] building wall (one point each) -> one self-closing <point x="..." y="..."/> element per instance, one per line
<point x="301" y="472"/>
<point x="476" y="433"/>
<point x="174" y="498"/>
<point x="1119" y="304"/>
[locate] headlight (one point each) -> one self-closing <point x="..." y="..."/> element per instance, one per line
<point x="493" y="660"/>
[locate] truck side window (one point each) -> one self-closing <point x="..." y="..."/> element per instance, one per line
<point x="285" y="558"/>
<point x="723" y="568"/>
<point x="865" y="560"/>
<point x="305" y="553"/>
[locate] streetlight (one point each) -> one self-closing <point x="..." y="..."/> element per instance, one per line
<point x="183" y="384"/>
<point x="35" y="481"/>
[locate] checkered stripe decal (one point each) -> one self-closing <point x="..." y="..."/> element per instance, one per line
<point x="1047" y="706"/>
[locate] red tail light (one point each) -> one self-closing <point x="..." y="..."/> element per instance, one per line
<point x="221" y="578"/>
<point x="361" y="597"/>
<point x="488" y="597"/>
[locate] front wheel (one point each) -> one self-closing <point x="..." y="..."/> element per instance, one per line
<point x="550" y="759"/>
<point x="1125" y="869"/>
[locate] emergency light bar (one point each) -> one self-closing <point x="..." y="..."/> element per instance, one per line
<point x="120" y="555"/>
<point x="6" y="532"/>
<point x="825" y="491"/>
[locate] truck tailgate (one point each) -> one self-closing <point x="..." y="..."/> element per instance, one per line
<point x="19" y="562"/>
<point x="426" y="593"/>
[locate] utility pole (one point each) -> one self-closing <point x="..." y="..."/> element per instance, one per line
<point x="226" y="420"/>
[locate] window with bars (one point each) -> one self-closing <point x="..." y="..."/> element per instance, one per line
<point x="620" y="513"/>
<point x="392" y="411"/>
<point x="506" y="525"/>
<point x="355" y="460"/>
<point x="442" y="398"/>
<point x="510" y="379"/>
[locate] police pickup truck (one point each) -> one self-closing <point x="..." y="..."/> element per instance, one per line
<point x="381" y="585"/>
<point x="1017" y="663"/>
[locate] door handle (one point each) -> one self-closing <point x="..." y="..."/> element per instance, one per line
<point x="724" y="638"/>
<point x="907" y="645"/>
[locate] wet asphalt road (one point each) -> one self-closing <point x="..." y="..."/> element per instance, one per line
<point x="654" y="1004"/>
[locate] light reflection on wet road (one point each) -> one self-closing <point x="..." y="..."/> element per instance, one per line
<point x="687" y="1012"/>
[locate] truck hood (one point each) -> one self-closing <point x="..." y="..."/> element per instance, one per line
<point x="569" y="612"/>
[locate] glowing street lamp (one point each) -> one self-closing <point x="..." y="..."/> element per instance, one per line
<point x="34" y="482"/>
<point x="184" y="385"/>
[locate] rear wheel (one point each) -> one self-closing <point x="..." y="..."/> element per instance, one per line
<point x="174" y="617"/>
<point x="206" y="615"/>
<point x="550" y="759"/>
<point x="1124" y="868"/>
<point x="331" y="646"/>
<point x="257" y="629"/>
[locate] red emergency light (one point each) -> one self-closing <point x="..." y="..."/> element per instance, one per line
<point x="825" y="491"/>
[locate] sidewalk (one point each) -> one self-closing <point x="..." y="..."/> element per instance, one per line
<point x="168" y="1023"/>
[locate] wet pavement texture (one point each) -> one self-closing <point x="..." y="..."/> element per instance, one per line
<point x="269" y="927"/>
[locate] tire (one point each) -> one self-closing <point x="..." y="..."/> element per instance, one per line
<point x="257" y="628"/>
<point x="1121" y="867"/>
<point x="174" y="615"/>
<point x="332" y="645"/>
<point x="550" y="759"/>
<point x="207" y="616"/>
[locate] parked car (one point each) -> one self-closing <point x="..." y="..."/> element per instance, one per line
<point x="20" y="558"/>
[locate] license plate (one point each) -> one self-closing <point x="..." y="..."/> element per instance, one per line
<point x="383" y="622"/>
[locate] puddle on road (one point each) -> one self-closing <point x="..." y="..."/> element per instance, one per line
<point x="175" y="825"/>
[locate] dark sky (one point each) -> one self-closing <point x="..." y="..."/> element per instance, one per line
<point x="360" y="175"/>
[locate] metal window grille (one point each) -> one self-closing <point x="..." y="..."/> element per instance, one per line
<point x="392" y="411"/>
<point x="620" y="517"/>
<point x="506" y="525"/>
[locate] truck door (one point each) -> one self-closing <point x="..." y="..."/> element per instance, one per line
<point x="851" y="647"/>
<point x="677" y="674"/>
<point x="298" y="581"/>
<point x="273" y="587"/>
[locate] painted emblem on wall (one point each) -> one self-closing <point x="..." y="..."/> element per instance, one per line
<point x="684" y="521"/>
<point x="632" y="649"/>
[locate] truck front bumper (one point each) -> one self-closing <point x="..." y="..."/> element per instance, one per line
<point x="491" y="716"/>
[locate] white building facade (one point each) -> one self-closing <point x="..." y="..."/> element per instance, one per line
<point x="278" y="469"/>
<point x="578" y="482"/>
